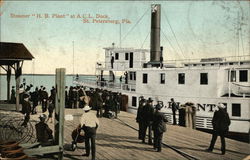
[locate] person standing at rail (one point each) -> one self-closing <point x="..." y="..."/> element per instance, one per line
<point x="221" y="122"/>
<point x="89" y="123"/>
<point x="174" y="109"/>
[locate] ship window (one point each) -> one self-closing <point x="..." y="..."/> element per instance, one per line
<point x="231" y="63"/>
<point x="131" y="75"/>
<point x="194" y="64"/>
<point x="181" y="78"/>
<point x="236" y="109"/>
<point x="204" y="78"/>
<point x="145" y="78"/>
<point x="126" y="56"/>
<point x="233" y="76"/>
<point x="116" y="56"/>
<point x="243" y="76"/>
<point x="203" y="64"/>
<point x="134" y="101"/>
<point x="162" y="78"/>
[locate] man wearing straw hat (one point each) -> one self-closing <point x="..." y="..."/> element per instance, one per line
<point x="89" y="123"/>
<point x="221" y="124"/>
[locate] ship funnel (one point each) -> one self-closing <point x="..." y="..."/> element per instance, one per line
<point x="155" y="50"/>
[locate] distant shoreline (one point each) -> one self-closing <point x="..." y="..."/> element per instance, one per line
<point x="48" y="74"/>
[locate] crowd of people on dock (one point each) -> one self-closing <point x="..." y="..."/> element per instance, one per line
<point x="150" y="118"/>
<point x="108" y="104"/>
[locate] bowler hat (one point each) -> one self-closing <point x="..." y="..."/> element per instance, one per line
<point x="25" y="96"/>
<point x="158" y="107"/>
<point x="150" y="99"/>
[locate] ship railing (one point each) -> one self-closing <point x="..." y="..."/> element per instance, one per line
<point x="120" y="65"/>
<point x="106" y="85"/>
<point x="199" y="60"/>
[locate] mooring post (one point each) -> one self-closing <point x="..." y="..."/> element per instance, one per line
<point x="18" y="72"/>
<point x="59" y="110"/>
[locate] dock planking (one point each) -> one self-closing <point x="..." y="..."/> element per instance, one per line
<point x="195" y="142"/>
<point x="115" y="141"/>
<point x="120" y="142"/>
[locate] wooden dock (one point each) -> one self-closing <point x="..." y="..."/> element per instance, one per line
<point x="117" y="140"/>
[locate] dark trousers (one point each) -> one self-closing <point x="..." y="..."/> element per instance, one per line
<point x="74" y="104"/>
<point x="99" y="112"/>
<point x="140" y="131"/>
<point x="213" y="140"/>
<point x="87" y="146"/>
<point x="149" y="126"/>
<point x="157" y="140"/>
<point x="35" y="103"/>
<point x="44" y="106"/>
<point x="174" y="118"/>
<point x="90" y="135"/>
<point x="26" y="119"/>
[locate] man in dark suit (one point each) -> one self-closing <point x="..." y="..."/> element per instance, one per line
<point x="174" y="109"/>
<point x="26" y="109"/>
<point x="147" y="113"/>
<point x="139" y="117"/>
<point x="159" y="127"/>
<point x="221" y="122"/>
<point x="112" y="61"/>
<point x="43" y="132"/>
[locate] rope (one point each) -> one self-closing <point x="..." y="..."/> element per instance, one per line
<point x="173" y="33"/>
<point x="135" y="25"/>
<point x="145" y="40"/>
<point x="169" y="42"/>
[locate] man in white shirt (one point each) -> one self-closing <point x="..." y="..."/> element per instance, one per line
<point x="89" y="123"/>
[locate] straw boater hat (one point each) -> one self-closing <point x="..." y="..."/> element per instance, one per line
<point x="87" y="108"/>
<point x="222" y="106"/>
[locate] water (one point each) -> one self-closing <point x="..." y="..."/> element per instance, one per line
<point x="37" y="80"/>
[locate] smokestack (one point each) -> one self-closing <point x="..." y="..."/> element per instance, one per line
<point x="155" y="51"/>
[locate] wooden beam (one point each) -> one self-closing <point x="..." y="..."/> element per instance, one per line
<point x="4" y="68"/>
<point x="8" y="82"/>
<point x="43" y="150"/>
<point x="17" y="86"/>
<point x="59" y="108"/>
<point x="30" y="145"/>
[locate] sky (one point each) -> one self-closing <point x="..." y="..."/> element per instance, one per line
<point x="189" y="30"/>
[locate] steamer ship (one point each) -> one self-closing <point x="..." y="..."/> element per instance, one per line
<point x="204" y="82"/>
